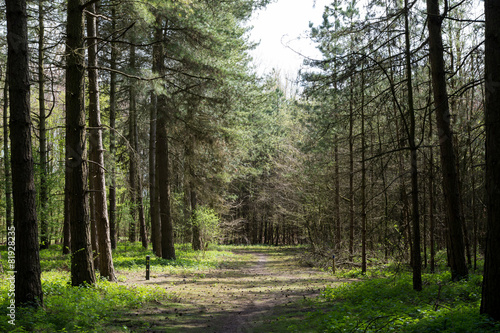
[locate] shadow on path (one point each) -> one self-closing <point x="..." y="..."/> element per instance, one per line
<point x="231" y="300"/>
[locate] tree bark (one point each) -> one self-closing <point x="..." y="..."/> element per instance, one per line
<point x="490" y="303"/>
<point x="97" y="177"/>
<point x="133" y="153"/>
<point x="351" y="173"/>
<point x="363" y="177"/>
<point x="140" y="205"/>
<point x="432" y="222"/>
<point x="158" y="67"/>
<point x="416" y="256"/>
<point x="167" y="230"/>
<point x="82" y="267"/>
<point x="93" y="225"/>
<point x="6" y="160"/>
<point x="338" y="233"/>
<point x="44" y="226"/>
<point x="153" y="189"/>
<point x="27" y="260"/>
<point x="66" y="223"/>
<point x="448" y="165"/>
<point x="112" y="138"/>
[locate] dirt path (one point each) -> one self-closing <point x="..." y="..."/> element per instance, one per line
<point x="231" y="300"/>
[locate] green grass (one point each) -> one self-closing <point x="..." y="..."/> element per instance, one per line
<point x="90" y="308"/>
<point x="385" y="304"/>
<point x="133" y="258"/>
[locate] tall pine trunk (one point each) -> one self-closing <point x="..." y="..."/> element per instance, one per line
<point x="351" y="172"/>
<point x="112" y="138"/>
<point x="448" y="159"/>
<point x="44" y="226"/>
<point x="416" y="256"/>
<point x="153" y="189"/>
<point x="82" y="267"/>
<point x="28" y="287"/>
<point x="97" y="177"/>
<point x="158" y="68"/>
<point x="167" y="229"/>
<point x="363" y="177"/>
<point x="133" y="158"/>
<point x="338" y="224"/>
<point x="6" y="160"/>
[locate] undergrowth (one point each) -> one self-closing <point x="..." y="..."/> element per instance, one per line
<point x="389" y="304"/>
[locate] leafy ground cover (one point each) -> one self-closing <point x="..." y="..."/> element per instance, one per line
<point x="389" y="304"/>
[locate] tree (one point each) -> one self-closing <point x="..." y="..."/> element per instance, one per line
<point x="8" y="179"/>
<point x="112" y="136"/>
<point x="44" y="227"/>
<point x="162" y="157"/>
<point x="82" y="267"/>
<point x="27" y="262"/>
<point x="97" y="177"/>
<point x="448" y="159"/>
<point x="490" y="303"/>
<point x="163" y="172"/>
<point x="157" y="66"/>
<point x="416" y="256"/>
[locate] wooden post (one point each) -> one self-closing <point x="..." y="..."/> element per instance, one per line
<point x="333" y="264"/>
<point x="147" y="267"/>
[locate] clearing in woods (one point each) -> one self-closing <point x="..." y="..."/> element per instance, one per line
<point x="252" y="294"/>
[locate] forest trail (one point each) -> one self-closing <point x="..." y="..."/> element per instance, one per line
<point x="248" y="298"/>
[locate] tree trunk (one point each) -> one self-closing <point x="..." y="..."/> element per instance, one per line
<point x="112" y="138"/>
<point x="44" y="226"/>
<point x="28" y="287"/>
<point x="93" y="225"/>
<point x="6" y="160"/>
<point x="82" y="267"/>
<point x="338" y="223"/>
<point x="132" y="123"/>
<point x="167" y="230"/>
<point x="351" y="173"/>
<point x="416" y="256"/>
<point x="140" y="205"/>
<point x="448" y="165"/>
<point x="159" y="69"/>
<point x="432" y="222"/>
<point x="67" y="203"/>
<point x="153" y="190"/>
<point x="363" y="177"/>
<point x="490" y="303"/>
<point x="97" y="177"/>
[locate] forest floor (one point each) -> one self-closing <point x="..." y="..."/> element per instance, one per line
<point x="250" y="294"/>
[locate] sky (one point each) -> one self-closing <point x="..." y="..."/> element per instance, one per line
<point x="280" y="27"/>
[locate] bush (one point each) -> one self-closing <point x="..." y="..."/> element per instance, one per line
<point x="209" y="225"/>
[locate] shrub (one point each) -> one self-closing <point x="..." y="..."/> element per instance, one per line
<point x="209" y="225"/>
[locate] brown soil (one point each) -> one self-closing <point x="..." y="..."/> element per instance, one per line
<point x="250" y="298"/>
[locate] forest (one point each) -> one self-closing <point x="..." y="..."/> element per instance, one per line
<point x="134" y="128"/>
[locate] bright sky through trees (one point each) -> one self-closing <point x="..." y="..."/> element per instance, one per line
<point x="282" y="29"/>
